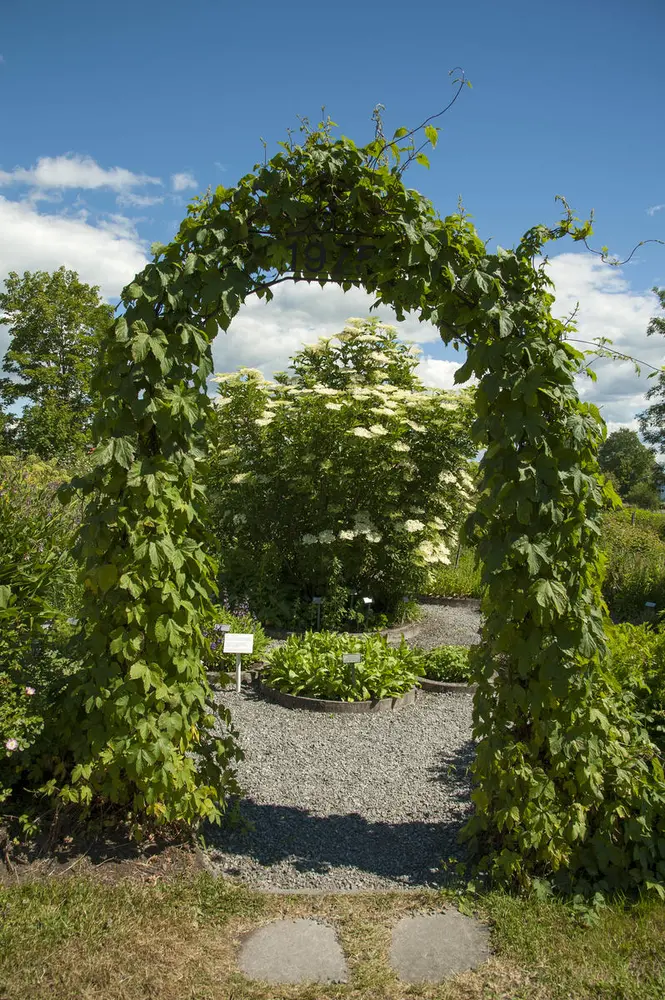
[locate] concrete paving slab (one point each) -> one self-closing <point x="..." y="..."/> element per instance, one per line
<point x="293" y="951"/>
<point x="432" y="948"/>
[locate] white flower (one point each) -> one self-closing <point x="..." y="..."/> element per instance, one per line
<point x="239" y="518"/>
<point x="383" y="411"/>
<point x="415" y="427"/>
<point x="380" y="357"/>
<point x="309" y="539"/>
<point x="324" y="390"/>
<point x="400" y="446"/>
<point x="222" y="400"/>
<point x="347" y="535"/>
<point x="11" y="744"/>
<point x="333" y="406"/>
<point x="29" y="691"/>
<point x="378" y="430"/>
<point x="263" y="421"/>
<point x="447" y="477"/>
<point x="413" y="525"/>
<point x="241" y="477"/>
<point x="361" y="432"/>
<point x="326" y="537"/>
<point x="373" y="536"/>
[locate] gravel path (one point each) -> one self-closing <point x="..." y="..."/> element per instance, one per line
<point x="448" y="624"/>
<point x="352" y="802"/>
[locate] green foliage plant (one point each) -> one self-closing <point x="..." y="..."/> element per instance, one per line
<point x="567" y="785"/>
<point x="347" y="475"/>
<point x="312" y="666"/>
<point x="444" y="663"/>
<point x="636" y="664"/>
<point x="245" y="623"/>
<point x="635" y="564"/>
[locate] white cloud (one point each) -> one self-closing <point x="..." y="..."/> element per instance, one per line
<point x="75" y="171"/>
<point x="609" y="307"/>
<point x="182" y="182"/>
<point x="107" y="255"/>
<point x="439" y="373"/>
<point x="654" y="209"/>
<point x="265" y="335"/>
<point x="137" y="200"/>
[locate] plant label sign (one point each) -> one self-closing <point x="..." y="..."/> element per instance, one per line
<point x="238" y="642"/>
<point x="351" y="658"/>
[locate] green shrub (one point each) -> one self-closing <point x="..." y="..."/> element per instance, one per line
<point x="461" y="580"/>
<point x="444" y="663"/>
<point x="312" y="666"/>
<point x="239" y="622"/>
<point x="636" y="664"/>
<point x="635" y="571"/>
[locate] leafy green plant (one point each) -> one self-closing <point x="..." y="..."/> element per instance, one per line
<point x="461" y="580"/>
<point x="635" y="570"/>
<point x="216" y="659"/>
<point x="312" y="666"/>
<point x="636" y="664"/>
<point x="444" y="663"/>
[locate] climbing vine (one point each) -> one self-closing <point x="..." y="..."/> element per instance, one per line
<point x="566" y="781"/>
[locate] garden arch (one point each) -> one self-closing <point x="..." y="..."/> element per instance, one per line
<point x="560" y="784"/>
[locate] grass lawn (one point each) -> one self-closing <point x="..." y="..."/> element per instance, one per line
<point x="77" y="938"/>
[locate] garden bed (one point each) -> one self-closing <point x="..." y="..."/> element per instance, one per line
<point x="340" y="707"/>
<point x="450" y="687"/>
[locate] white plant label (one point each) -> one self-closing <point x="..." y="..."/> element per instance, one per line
<point x="351" y="658"/>
<point x="238" y="642"/>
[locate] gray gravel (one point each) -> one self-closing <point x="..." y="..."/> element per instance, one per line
<point x="449" y="625"/>
<point x="342" y="802"/>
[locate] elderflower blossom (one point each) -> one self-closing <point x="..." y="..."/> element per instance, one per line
<point x="380" y="357"/>
<point x="222" y="400"/>
<point x="373" y="536"/>
<point x="415" y="427"/>
<point x="324" y="390"/>
<point x="378" y="430"/>
<point x="383" y="411"/>
<point x="400" y="446"/>
<point x="333" y="406"/>
<point x="447" y="477"/>
<point x="240" y="477"/>
<point x="347" y="535"/>
<point x="326" y="537"/>
<point x="309" y="539"/>
<point x="264" y="421"/>
<point x="413" y="525"/>
<point x="361" y="432"/>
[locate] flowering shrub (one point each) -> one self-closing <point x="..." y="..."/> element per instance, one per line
<point x="312" y="666"/>
<point x="344" y="478"/>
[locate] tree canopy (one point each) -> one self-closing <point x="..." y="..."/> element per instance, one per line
<point x="631" y="466"/>
<point x="652" y="420"/>
<point x="56" y="324"/>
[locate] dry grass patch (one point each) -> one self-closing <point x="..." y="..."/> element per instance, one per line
<point x="77" y="939"/>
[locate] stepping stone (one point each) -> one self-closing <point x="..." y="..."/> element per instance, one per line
<point x="293" y="951"/>
<point x="432" y="948"/>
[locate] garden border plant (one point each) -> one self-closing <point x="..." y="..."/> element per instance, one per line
<point x="567" y="784"/>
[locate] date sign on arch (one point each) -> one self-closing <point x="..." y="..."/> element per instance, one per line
<point x="313" y="257"/>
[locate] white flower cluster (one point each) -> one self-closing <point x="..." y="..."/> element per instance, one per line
<point x="412" y="525"/>
<point x="434" y="552"/>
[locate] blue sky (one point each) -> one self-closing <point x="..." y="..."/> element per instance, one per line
<point x="114" y="115"/>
